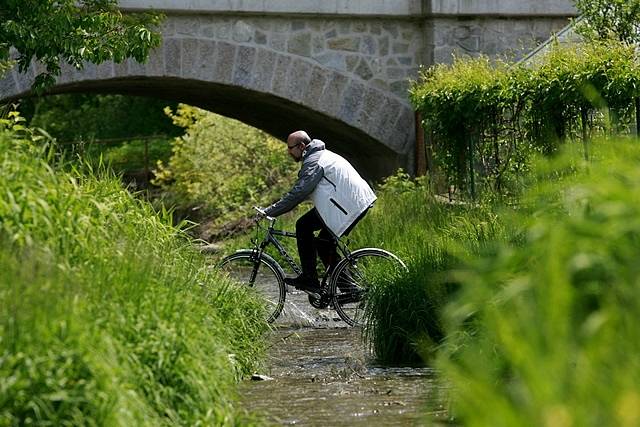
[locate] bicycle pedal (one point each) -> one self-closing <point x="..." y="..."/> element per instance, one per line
<point x="350" y="297"/>
<point x="320" y="303"/>
<point x="315" y="294"/>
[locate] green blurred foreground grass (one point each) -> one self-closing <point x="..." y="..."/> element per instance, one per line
<point x="107" y="316"/>
<point x="546" y="325"/>
<point x="531" y="311"/>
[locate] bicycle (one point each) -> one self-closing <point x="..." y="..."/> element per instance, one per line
<point x="343" y="287"/>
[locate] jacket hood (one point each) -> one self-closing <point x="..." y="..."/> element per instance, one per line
<point x="314" y="146"/>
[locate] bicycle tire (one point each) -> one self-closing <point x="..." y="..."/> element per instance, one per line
<point x="268" y="280"/>
<point x="355" y="275"/>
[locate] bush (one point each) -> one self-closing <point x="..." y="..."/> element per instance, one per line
<point x="488" y="119"/>
<point x="221" y="167"/>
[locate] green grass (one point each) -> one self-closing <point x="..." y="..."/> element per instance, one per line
<point x="107" y="315"/>
<point x="404" y="323"/>
<point x="545" y="328"/>
<point x="528" y="310"/>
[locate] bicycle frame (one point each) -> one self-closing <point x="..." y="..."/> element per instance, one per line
<point x="270" y="239"/>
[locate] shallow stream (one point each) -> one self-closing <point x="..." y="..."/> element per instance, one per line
<point x="320" y="373"/>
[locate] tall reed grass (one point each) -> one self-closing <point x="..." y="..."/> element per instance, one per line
<point x="404" y="322"/>
<point x="545" y="329"/>
<point x="528" y="310"/>
<point x="107" y="316"/>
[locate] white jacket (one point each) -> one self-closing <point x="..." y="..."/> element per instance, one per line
<point x="342" y="195"/>
<point x="338" y="192"/>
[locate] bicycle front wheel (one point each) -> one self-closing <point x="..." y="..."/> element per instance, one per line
<point x="263" y="275"/>
<point x="355" y="276"/>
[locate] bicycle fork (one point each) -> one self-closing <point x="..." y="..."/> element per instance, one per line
<point x="256" y="255"/>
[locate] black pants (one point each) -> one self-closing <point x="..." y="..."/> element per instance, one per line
<point x="324" y="245"/>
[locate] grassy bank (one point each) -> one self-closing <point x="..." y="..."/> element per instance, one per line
<point x="544" y="330"/>
<point x="107" y="316"/>
<point x="528" y="310"/>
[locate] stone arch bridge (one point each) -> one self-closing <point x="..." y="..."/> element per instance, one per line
<point x="338" y="68"/>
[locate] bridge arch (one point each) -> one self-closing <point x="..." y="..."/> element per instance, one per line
<point x="338" y="69"/>
<point x="267" y="89"/>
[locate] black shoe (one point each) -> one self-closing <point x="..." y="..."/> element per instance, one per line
<point x="304" y="283"/>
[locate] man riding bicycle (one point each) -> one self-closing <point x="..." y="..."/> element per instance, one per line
<point x="340" y="198"/>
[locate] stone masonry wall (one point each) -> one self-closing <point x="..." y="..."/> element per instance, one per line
<point x="511" y="38"/>
<point x="383" y="54"/>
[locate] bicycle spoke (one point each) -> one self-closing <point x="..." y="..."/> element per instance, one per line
<point x="266" y="282"/>
<point x="356" y="276"/>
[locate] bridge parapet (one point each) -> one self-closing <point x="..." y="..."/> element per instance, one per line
<point x="362" y="8"/>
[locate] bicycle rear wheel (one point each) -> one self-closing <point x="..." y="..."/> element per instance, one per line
<point x="263" y="275"/>
<point x="355" y="275"/>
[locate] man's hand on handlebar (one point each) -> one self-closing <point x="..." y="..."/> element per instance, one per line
<point x="262" y="214"/>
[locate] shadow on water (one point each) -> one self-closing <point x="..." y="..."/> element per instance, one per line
<point x="321" y="373"/>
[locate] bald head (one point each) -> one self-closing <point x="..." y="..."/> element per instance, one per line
<point x="296" y="143"/>
<point x="298" y="137"/>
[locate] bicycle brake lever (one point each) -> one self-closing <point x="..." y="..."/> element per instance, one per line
<point x="263" y="214"/>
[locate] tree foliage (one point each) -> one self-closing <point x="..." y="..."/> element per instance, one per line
<point x="87" y="116"/>
<point x="71" y="31"/>
<point x="222" y="167"/>
<point x="610" y="19"/>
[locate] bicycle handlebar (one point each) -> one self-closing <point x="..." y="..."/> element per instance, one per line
<point x="263" y="213"/>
